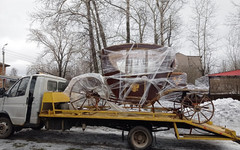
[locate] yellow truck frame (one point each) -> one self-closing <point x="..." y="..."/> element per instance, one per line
<point x="127" y="120"/>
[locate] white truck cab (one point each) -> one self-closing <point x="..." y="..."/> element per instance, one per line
<point x="21" y="103"/>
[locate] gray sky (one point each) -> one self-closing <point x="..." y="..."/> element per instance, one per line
<point x="223" y="9"/>
<point x="15" y="23"/>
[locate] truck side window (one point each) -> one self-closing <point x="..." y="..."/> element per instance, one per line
<point x="13" y="91"/>
<point x="19" y="89"/>
<point x="52" y="86"/>
<point x="61" y="86"/>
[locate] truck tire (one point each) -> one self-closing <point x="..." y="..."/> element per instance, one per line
<point x="6" y="127"/>
<point x="140" y="138"/>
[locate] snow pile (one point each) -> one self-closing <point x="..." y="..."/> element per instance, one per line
<point x="227" y="113"/>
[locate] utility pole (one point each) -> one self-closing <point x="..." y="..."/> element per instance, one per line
<point x="3" y="66"/>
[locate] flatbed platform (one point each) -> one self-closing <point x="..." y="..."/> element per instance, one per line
<point x="170" y="120"/>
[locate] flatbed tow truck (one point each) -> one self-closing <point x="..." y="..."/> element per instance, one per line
<point x="139" y="124"/>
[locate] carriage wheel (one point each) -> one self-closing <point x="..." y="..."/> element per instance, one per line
<point x="83" y="100"/>
<point x="198" y="108"/>
<point x="88" y="92"/>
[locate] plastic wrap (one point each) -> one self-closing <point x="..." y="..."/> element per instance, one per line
<point x="138" y="61"/>
<point x="132" y="74"/>
<point x="81" y="87"/>
<point x="202" y="82"/>
<point x="137" y="73"/>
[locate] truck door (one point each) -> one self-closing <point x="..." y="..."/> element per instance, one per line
<point x="15" y="104"/>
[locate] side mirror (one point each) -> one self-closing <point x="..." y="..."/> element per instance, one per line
<point x="2" y="92"/>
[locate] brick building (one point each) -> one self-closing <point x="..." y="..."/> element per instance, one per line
<point x="2" y="79"/>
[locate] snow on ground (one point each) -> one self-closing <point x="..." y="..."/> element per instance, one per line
<point x="101" y="138"/>
<point x="227" y="113"/>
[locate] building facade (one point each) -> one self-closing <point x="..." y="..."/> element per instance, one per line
<point x="190" y="65"/>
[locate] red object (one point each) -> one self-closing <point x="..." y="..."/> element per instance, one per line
<point x="228" y="73"/>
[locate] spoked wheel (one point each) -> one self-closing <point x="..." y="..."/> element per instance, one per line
<point x="82" y="100"/>
<point x="140" y="138"/>
<point x="6" y="127"/>
<point x="84" y="94"/>
<point x="197" y="107"/>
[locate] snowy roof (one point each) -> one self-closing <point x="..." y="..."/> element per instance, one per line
<point x="228" y="73"/>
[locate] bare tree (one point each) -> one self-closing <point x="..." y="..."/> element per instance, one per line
<point x="126" y="11"/>
<point x="94" y="24"/>
<point x="58" y="42"/>
<point x="140" y="17"/>
<point x="79" y="64"/>
<point x="153" y="11"/>
<point x="233" y="39"/>
<point x="165" y="20"/>
<point x="162" y="26"/>
<point x="43" y="65"/>
<point x="233" y="51"/>
<point x="13" y="72"/>
<point x="99" y="23"/>
<point x="91" y="37"/>
<point x="202" y="32"/>
<point x="79" y="18"/>
<point x="224" y="67"/>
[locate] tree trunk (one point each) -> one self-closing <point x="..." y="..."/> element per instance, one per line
<point x="97" y="33"/>
<point x="91" y="38"/>
<point x="161" y="27"/>
<point x="161" y="12"/>
<point x="60" y="69"/>
<point x="155" y="32"/>
<point x="170" y="31"/>
<point x="102" y="34"/>
<point x="128" y="21"/>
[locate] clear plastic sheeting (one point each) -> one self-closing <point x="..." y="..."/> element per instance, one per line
<point x="83" y="88"/>
<point x="138" y="74"/>
<point x="133" y="76"/>
<point x="138" y="61"/>
<point x="202" y="82"/>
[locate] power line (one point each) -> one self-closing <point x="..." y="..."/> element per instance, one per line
<point x="20" y="54"/>
<point x="18" y="58"/>
<point x="21" y="57"/>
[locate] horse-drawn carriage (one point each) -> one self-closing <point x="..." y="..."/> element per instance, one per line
<point x="140" y="77"/>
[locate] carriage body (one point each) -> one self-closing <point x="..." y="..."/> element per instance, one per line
<point x="137" y="73"/>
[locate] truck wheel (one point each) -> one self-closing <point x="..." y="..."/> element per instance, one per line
<point x="6" y="128"/>
<point x="140" y="138"/>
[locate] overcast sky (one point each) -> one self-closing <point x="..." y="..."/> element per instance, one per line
<point x="15" y="23"/>
<point x="14" y="26"/>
